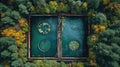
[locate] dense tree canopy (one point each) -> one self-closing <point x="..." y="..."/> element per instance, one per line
<point x="104" y="40"/>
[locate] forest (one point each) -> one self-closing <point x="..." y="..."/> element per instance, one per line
<point x="103" y="41"/>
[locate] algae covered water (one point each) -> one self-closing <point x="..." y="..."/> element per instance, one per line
<point x="43" y="31"/>
<point x="73" y="36"/>
<point x="43" y="36"/>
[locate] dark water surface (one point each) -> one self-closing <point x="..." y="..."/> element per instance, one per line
<point x="49" y="40"/>
<point x="73" y="30"/>
<point x="45" y="45"/>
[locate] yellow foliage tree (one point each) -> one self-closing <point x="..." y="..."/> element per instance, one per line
<point x="19" y="35"/>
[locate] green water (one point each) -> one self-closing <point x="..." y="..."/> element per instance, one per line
<point x="73" y="30"/>
<point x="47" y="41"/>
<point x="45" y="44"/>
